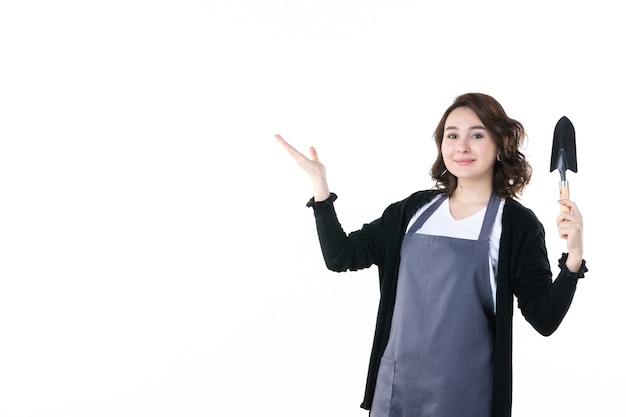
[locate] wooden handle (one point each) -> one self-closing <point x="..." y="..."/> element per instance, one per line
<point x="564" y="194"/>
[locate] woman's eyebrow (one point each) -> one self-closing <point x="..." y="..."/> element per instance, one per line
<point x="471" y="127"/>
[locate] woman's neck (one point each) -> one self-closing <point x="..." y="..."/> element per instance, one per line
<point x="466" y="201"/>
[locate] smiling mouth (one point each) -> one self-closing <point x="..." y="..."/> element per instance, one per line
<point x="464" y="161"/>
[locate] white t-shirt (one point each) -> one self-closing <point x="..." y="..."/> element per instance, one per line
<point x="441" y="223"/>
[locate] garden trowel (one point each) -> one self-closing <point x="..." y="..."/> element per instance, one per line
<point x="564" y="154"/>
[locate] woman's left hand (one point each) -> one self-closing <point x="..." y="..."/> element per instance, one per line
<point x="570" y="225"/>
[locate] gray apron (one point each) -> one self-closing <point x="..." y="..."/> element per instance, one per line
<point x="438" y="361"/>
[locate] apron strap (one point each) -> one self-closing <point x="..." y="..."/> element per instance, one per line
<point x="490" y="216"/>
<point x="426" y="214"/>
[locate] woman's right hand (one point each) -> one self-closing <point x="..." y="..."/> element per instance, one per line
<point x="311" y="166"/>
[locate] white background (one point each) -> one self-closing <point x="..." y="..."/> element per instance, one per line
<point x="156" y="254"/>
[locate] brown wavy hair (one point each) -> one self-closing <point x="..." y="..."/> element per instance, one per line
<point x="512" y="171"/>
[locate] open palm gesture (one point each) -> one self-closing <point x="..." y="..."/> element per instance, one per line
<point x="311" y="166"/>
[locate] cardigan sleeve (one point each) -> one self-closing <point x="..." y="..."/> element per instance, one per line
<point x="544" y="302"/>
<point x="342" y="251"/>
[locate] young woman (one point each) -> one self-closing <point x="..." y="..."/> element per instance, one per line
<point x="450" y="260"/>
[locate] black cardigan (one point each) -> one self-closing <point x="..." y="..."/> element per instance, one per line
<point x="523" y="270"/>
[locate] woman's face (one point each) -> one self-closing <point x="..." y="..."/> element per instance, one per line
<point x="469" y="152"/>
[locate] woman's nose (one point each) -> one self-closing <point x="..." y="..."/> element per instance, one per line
<point x="463" y="145"/>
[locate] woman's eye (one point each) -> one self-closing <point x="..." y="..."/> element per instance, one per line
<point x="477" y="136"/>
<point x="451" y="136"/>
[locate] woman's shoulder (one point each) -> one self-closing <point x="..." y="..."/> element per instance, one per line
<point x="411" y="203"/>
<point x="517" y="213"/>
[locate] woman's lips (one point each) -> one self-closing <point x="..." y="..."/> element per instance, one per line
<point x="464" y="161"/>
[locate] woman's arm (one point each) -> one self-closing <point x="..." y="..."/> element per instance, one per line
<point x="544" y="302"/>
<point x="341" y="251"/>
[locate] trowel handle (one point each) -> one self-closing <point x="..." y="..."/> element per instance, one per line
<point x="564" y="194"/>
